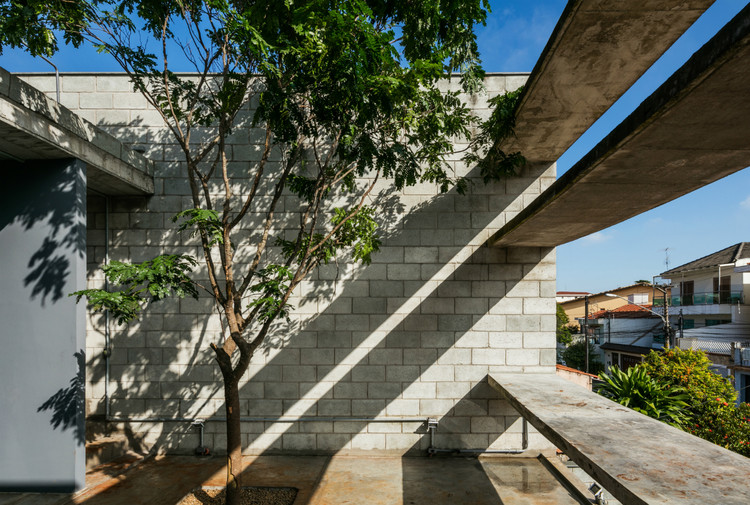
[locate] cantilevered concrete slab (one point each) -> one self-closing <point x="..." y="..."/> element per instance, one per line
<point x="33" y="127"/>
<point x="636" y="458"/>
<point x="598" y="49"/>
<point x="693" y="130"/>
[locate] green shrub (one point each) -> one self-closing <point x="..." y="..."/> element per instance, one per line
<point x="634" y="389"/>
<point x="575" y="357"/>
<point x="689" y="369"/>
<point x="713" y="415"/>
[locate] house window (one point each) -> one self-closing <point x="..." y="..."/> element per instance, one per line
<point x="687" y="289"/>
<point x="639" y="298"/>
<point x="688" y="324"/>
<point x="616" y="359"/>
<point x="629" y="360"/>
<point x="722" y="289"/>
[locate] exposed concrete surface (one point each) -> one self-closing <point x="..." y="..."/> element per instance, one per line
<point x="636" y="458"/>
<point x="34" y="127"/>
<point x="598" y="49"/>
<point x="324" y="480"/>
<point x="691" y="131"/>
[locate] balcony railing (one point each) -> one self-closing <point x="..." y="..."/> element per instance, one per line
<point x="710" y="298"/>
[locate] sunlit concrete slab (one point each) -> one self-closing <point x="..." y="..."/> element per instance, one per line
<point x="693" y="130"/>
<point x="637" y="459"/>
<point x="33" y="127"/>
<point x="598" y="49"/>
<point x="329" y="480"/>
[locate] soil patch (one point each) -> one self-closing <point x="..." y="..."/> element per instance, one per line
<point x="250" y="496"/>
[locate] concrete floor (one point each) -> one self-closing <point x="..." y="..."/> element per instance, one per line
<point x="323" y="480"/>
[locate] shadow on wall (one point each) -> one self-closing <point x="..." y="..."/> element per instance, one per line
<point x="412" y="335"/>
<point x="48" y="266"/>
<point x="68" y="404"/>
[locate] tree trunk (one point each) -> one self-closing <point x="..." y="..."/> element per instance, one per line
<point x="234" y="441"/>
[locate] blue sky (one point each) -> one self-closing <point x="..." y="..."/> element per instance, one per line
<point x="697" y="224"/>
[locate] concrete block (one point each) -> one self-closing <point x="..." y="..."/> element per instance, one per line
<point x="402" y="373"/>
<point x="471" y="373"/>
<point x="490" y="425"/>
<point x="368" y="408"/>
<point x="78" y="83"/>
<point x="452" y="389"/>
<point x="455" y="356"/>
<point x="489" y="323"/>
<point x="488" y="356"/>
<point x="299" y="441"/>
<point x="506" y="340"/>
<point x="437" y="306"/>
<point x="473" y="338"/>
<point x="368" y="373"/>
<point x="95" y="100"/>
<point x="403" y="408"/>
<point x="538" y="306"/>
<point x="368" y="441"/>
<point x="335" y="407"/>
<point x="386" y="357"/>
<point x="387" y="390"/>
<point x="333" y="442"/>
<point x="471" y="305"/>
<point x="281" y="390"/>
<point x="437" y="373"/>
<point x="420" y="390"/>
<point x="437" y="407"/>
<point x="113" y="83"/>
<point x="522" y="356"/>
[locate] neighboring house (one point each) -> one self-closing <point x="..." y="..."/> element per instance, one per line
<point x="625" y="334"/>
<point x="640" y="293"/>
<point x="566" y="296"/>
<point x="712" y="295"/>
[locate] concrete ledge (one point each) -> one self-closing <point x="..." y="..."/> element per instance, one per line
<point x="34" y="127"/>
<point x="637" y="459"/>
<point x="598" y="49"/>
<point x="691" y="131"/>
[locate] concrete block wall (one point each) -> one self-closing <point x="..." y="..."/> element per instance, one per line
<point x="413" y="335"/>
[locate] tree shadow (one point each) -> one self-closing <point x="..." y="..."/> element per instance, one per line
<point x="49" y="266"/>
<point x="68" y="404"/>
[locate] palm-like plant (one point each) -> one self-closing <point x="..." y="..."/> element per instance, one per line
<point x="635" y="389"/>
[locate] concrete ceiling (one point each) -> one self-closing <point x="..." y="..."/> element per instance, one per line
<point x="598" y="49"/>
<point x="33" y="127"/>
<point x="693" y="130"/>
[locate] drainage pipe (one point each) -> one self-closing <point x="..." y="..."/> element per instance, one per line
<point x="107" y="346"/>
<point x="107" y="351"/>
<point x="117" y="419"/>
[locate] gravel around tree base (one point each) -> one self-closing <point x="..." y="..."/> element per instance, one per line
<point x="250" y="496"/>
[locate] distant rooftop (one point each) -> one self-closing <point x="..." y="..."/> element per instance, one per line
<point x="629" y="311"/>
<point x="728" y="255"/>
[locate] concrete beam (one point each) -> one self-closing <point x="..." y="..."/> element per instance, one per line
<point x="33" y="127"/>
<point x="637" y="459"/>
<point x="598" y="49"/>
<point x="691" y="131"/>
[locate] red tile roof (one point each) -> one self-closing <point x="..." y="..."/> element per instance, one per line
<point x="629" y="311"/>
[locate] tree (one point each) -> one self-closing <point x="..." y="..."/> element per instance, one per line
<point x="346" y="96"/>
<point x="563" y="329"/>
<point x="635" y="389"/>
<point x="712" y="411"/>
<point x="575" y="357"/>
